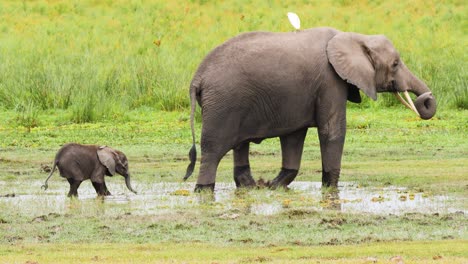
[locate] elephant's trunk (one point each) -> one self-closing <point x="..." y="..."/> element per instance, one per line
<point x="425" y="105"/>
<point x="129" y="186"/>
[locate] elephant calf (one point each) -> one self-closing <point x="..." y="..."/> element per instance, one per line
<point x="78" y="162"/>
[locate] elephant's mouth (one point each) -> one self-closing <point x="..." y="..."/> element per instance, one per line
<point x="425" y="104"/>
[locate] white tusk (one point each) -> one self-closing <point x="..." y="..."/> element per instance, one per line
<point x="411" y="102"/>
<point x="397" y="95"/>
<point x="409" y="106"/>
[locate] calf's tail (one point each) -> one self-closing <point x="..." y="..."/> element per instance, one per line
<point x="45" y="186"/>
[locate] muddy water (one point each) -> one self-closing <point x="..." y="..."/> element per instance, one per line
<point x="164" y="197"/>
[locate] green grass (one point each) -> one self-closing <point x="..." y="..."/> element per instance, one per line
<point x="99" y="58"/>
<point x="409" y="252"/>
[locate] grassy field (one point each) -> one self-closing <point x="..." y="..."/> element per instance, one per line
<point x="385" y="147"/>
<point x="97" y="59"/>
<point x="117" y="73"/>
<point x="407" y="252"/>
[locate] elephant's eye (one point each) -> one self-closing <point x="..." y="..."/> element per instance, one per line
<point x="395" y="64"/>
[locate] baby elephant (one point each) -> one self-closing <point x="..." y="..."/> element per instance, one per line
<point x="81" y="162"/>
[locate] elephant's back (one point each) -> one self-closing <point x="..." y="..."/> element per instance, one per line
<point x="76" y="149"/>
<point x="265" y="55"/>
<point x="261" y="43"/>
<point x="76" y="159"/>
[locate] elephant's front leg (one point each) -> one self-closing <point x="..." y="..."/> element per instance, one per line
<point x="332" y="137"/>
<point x="242" y="174"/>
<point x="101" y="189"/>
<point x="291" y="149"/>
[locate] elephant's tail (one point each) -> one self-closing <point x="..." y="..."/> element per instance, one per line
<point x="193" y="150"/>
<point x="45" y="186"/>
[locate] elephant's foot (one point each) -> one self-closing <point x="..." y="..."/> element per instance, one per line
<point x="106" y="193"/>
<point x="284" y="178"/>
<point x="243" y="177"/>
<point x="103" y="193"/>
<point x="101" y="189"/>
<point x="330" y="179"/>
<point x="204" y="187"/>
<point x="72" y="195"/>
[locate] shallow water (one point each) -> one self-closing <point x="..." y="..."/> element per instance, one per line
<point x="165" y="197"/>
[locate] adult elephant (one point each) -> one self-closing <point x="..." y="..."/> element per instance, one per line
<point x="260" y="85"/>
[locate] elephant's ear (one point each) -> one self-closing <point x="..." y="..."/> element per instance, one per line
<point x="106" y="157"/>
<point x="348" y="54"/>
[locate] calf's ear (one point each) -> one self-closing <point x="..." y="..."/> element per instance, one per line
<point x="106" y="156"/>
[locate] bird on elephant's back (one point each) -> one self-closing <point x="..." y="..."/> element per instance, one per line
<point x="261" y="84"/>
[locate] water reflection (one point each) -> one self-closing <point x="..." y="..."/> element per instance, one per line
<point x="331" y="199"/>
<point x="165" y="197"/>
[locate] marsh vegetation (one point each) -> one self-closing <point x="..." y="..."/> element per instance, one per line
<point x="403" y="186"/>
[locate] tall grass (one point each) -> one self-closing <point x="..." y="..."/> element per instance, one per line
<point x="101" y="58"/>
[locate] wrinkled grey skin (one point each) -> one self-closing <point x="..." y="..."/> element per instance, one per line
<point x="78" y="162"/>
<point x="260" y="85"/>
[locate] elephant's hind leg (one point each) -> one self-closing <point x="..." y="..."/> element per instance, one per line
<point x="74" y="184"/>
<point x="208" y="167"/>
<point x="212" y="151"/>
<point x="291" y="149"/>
<point x="242" y="174"/>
